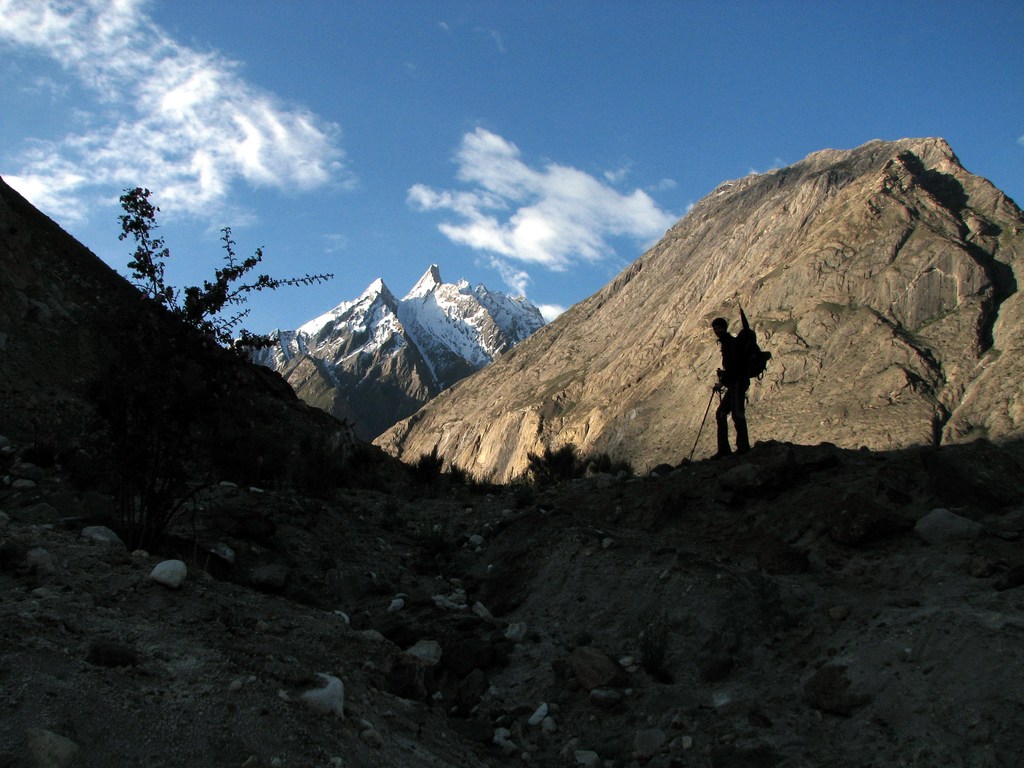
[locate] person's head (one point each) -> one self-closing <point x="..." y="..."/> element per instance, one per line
<point x="720" y="326"/>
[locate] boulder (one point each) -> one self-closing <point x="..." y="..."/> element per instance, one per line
<point x="831" y="690"/>
<point x="328" y="699"/>
<point x="940" y="526"/>
<point x="594" y="669"/>
<point x="169" y="573"/>
<point x="101" y="534"/>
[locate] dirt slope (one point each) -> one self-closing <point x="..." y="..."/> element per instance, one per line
<point x="778" y="611"/>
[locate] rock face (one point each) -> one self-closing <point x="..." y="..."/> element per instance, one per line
<point x="378" y="359"/>
<point x="883" y="279"/>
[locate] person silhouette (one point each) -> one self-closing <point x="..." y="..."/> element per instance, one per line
<point x="732" y="388"/>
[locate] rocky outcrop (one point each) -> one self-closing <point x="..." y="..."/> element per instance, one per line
<point x="883" y="279"/>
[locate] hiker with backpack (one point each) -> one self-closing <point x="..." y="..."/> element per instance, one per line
<point x="742" y="360"/>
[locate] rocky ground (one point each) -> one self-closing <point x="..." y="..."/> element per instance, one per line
<point x="801" y="606"/>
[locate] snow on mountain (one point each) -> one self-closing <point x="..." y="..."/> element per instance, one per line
<point x="412" y="348"/>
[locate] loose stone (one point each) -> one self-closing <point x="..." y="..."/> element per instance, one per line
<point x="100" y="534"/>
<point x="51" y="750"/>
<point x="170" y="573"/>
<point x="539" y="714"/>
<point x="327" y="700"/>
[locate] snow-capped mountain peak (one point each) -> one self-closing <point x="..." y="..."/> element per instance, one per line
<point x="375" y="290"/>
<point x="427" y="284"/>
<point x="377" y="348"/>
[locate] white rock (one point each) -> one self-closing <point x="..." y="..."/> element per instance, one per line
<point x="51" y="750"/>
<point x="539" y="714"/>
<point x="476" y="540"/>
<point x="453" y="603"/>
<point x="941" y="526"/>
<point x="327" y="700"/>
<point x="548" y="725"/>
<point x="587" y="758"/>
<point x="503" y="738"/>
<point x="224" y="552"/>
<point x="426" y="652"/>
<point x="100" y="534"/>
<point x="41" y="561"/>
<point x="396" y="605"/>
<point x="481" y="610"/>
<point x="516" y="632"/>
<point x="170" y="573"/>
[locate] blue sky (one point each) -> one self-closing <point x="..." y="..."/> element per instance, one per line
<point x="536" y="147"/>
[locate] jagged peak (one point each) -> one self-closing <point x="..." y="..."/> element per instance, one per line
<point x="377" y="288"/>
<point x="426" y="284"/>
<point x="374" y="290"/>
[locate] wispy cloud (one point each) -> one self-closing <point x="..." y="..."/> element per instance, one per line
<point x="165" y="116"/>
<point x="550" y="311"/>
<point x="555" y="216"/>
<point x="334" y="242"/>
<point x="494" y="36"/>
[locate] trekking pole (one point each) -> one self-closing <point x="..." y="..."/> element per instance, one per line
<point x="702" y="421"/>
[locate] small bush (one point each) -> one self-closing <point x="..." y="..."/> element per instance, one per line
<point x="165" y="413"/>
<point x="605" y="464"/>
<point x="428" y="467"/>
<point x="554" y="466"/>
<point x="157" y="420"/>
<point x="202" y="308"/>
<point x="458" y="476"/>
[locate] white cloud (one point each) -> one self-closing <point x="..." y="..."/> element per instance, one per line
<point x="556" y="217"/>
<point x="550" y="311"/>
<point x="516" y="279"/>
<point x="618" y="175"/>
<point x="166" y="116"/>
<point x="1021" y="141"/>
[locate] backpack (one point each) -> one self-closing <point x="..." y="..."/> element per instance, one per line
<point x="754" y="359"/>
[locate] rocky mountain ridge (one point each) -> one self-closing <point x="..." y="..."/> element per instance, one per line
<point x="884" y="280"/>
<point x="377" y="359"/>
